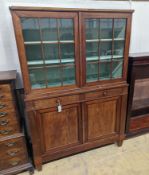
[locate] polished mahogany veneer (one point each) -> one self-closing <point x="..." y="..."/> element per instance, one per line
<point x="74" y="67"/>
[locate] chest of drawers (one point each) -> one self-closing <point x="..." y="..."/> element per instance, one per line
<point x="13" y="151"/>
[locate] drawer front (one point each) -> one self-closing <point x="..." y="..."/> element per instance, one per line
<point x="104" y="93"/>
<point x="13" y="143"/>
<point x="7" y="106"/>
<point x="53" y="102"/>
<point x="13" y="152"/>
<point x="6" y="122"/>
<point x="12" y="162"/>
<point x="6" y="131"/>
<point x="8" y="114"/>
<point x="5" y="92"/>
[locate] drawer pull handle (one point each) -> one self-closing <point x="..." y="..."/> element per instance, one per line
<point x="59" y="106"/>
<point x="12" y="153"/>
<point x="3" y="114"/>
<point x="14" y="163"/>
<point x="10" y="144"/>
<point x="5" y="132"/>
<point x="2" y="106"/>
<point x="4" y="122"/>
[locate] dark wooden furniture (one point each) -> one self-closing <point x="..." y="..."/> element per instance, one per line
<point x="138" y="101"/>
<point x="74" y="67"/>
<point x="13" y="151"/>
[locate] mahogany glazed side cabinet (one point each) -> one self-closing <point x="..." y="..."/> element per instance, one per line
<point x="74" y="67"/>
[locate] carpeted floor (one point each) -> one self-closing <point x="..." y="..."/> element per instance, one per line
<point x="130" y="159"/>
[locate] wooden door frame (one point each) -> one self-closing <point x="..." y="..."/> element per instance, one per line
<point x="118" y="113"/>
<point x="16" y="15"/>
<point x="110" y="15"/>
<point x="41" y="129"/>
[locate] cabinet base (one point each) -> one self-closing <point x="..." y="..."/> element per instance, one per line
<point x="18" y="169"/>
<point x="77" y="149"/>
<point x="138" y="125"/>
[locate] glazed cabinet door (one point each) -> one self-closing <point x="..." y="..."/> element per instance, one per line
<point x="60" y="130"/>
<point x="102" y="118"/>
<point x="48" y="45"/>
<point x="105" y="48"/>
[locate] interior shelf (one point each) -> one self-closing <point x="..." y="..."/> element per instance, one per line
<point x="70" y="41"/>
<point x="47" y="42"/>
<point x="69" y="60"/>
<point x="40" y="62"/>
<point x="105" y="40"/>
<point x="102" y="58"/>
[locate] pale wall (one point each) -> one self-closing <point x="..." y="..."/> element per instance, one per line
<point x="8" y="50"/>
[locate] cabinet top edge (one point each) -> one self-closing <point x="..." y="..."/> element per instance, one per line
<point x="139" y="55"/>
<point x="8" y="75"/>
<point x="29" y="8"/>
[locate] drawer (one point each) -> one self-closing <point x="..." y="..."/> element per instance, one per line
<point x="5" y="92"/>
<point x="9" y="130"/>
<point x="12" y="162"/>
<point x="13" y="143"/>
<point x="8" y="114"/>
<point x="7" y="122"/>
<point x="53" y="102"/>
<point x="13" y="152"/>
<point x="104" y="93"/>
<point x="7" y="106"/>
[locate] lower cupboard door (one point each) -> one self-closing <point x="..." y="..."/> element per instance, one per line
<point x="60" y="130"/>
<point x="102" y="118"/>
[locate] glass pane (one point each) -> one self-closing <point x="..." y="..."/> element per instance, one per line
<point x="92" y="72"/>
<point x="118" y="49"/>
<point x="50" y="42"/>
<point x="37" y="78"/>
<point x="54" y="76"/>
<point x="105" y="70"/>
<point x="68" y="75"/>
<point x="67" y="52"/>
<point x="106" y="28"/>
<point x="30" y="28"/>
<point x="49" y="29"/>
<point x="106" y="50"/>
<point x="92" y="51"/>
<point x="119" y="28"/>
<point x="51" y="53"/>
<point x="66" y="29"/>
<point x="117" y="67"/>
<point x="141" y="94"/>
<point x="33" y="54"/>
<point x="92" y="29"/>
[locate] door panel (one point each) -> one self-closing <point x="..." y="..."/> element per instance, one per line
<point x="102" y="118"/>
<point x="104" y="46"/>
<point x="50" y="45"/>
<point x="60" y="129"/>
